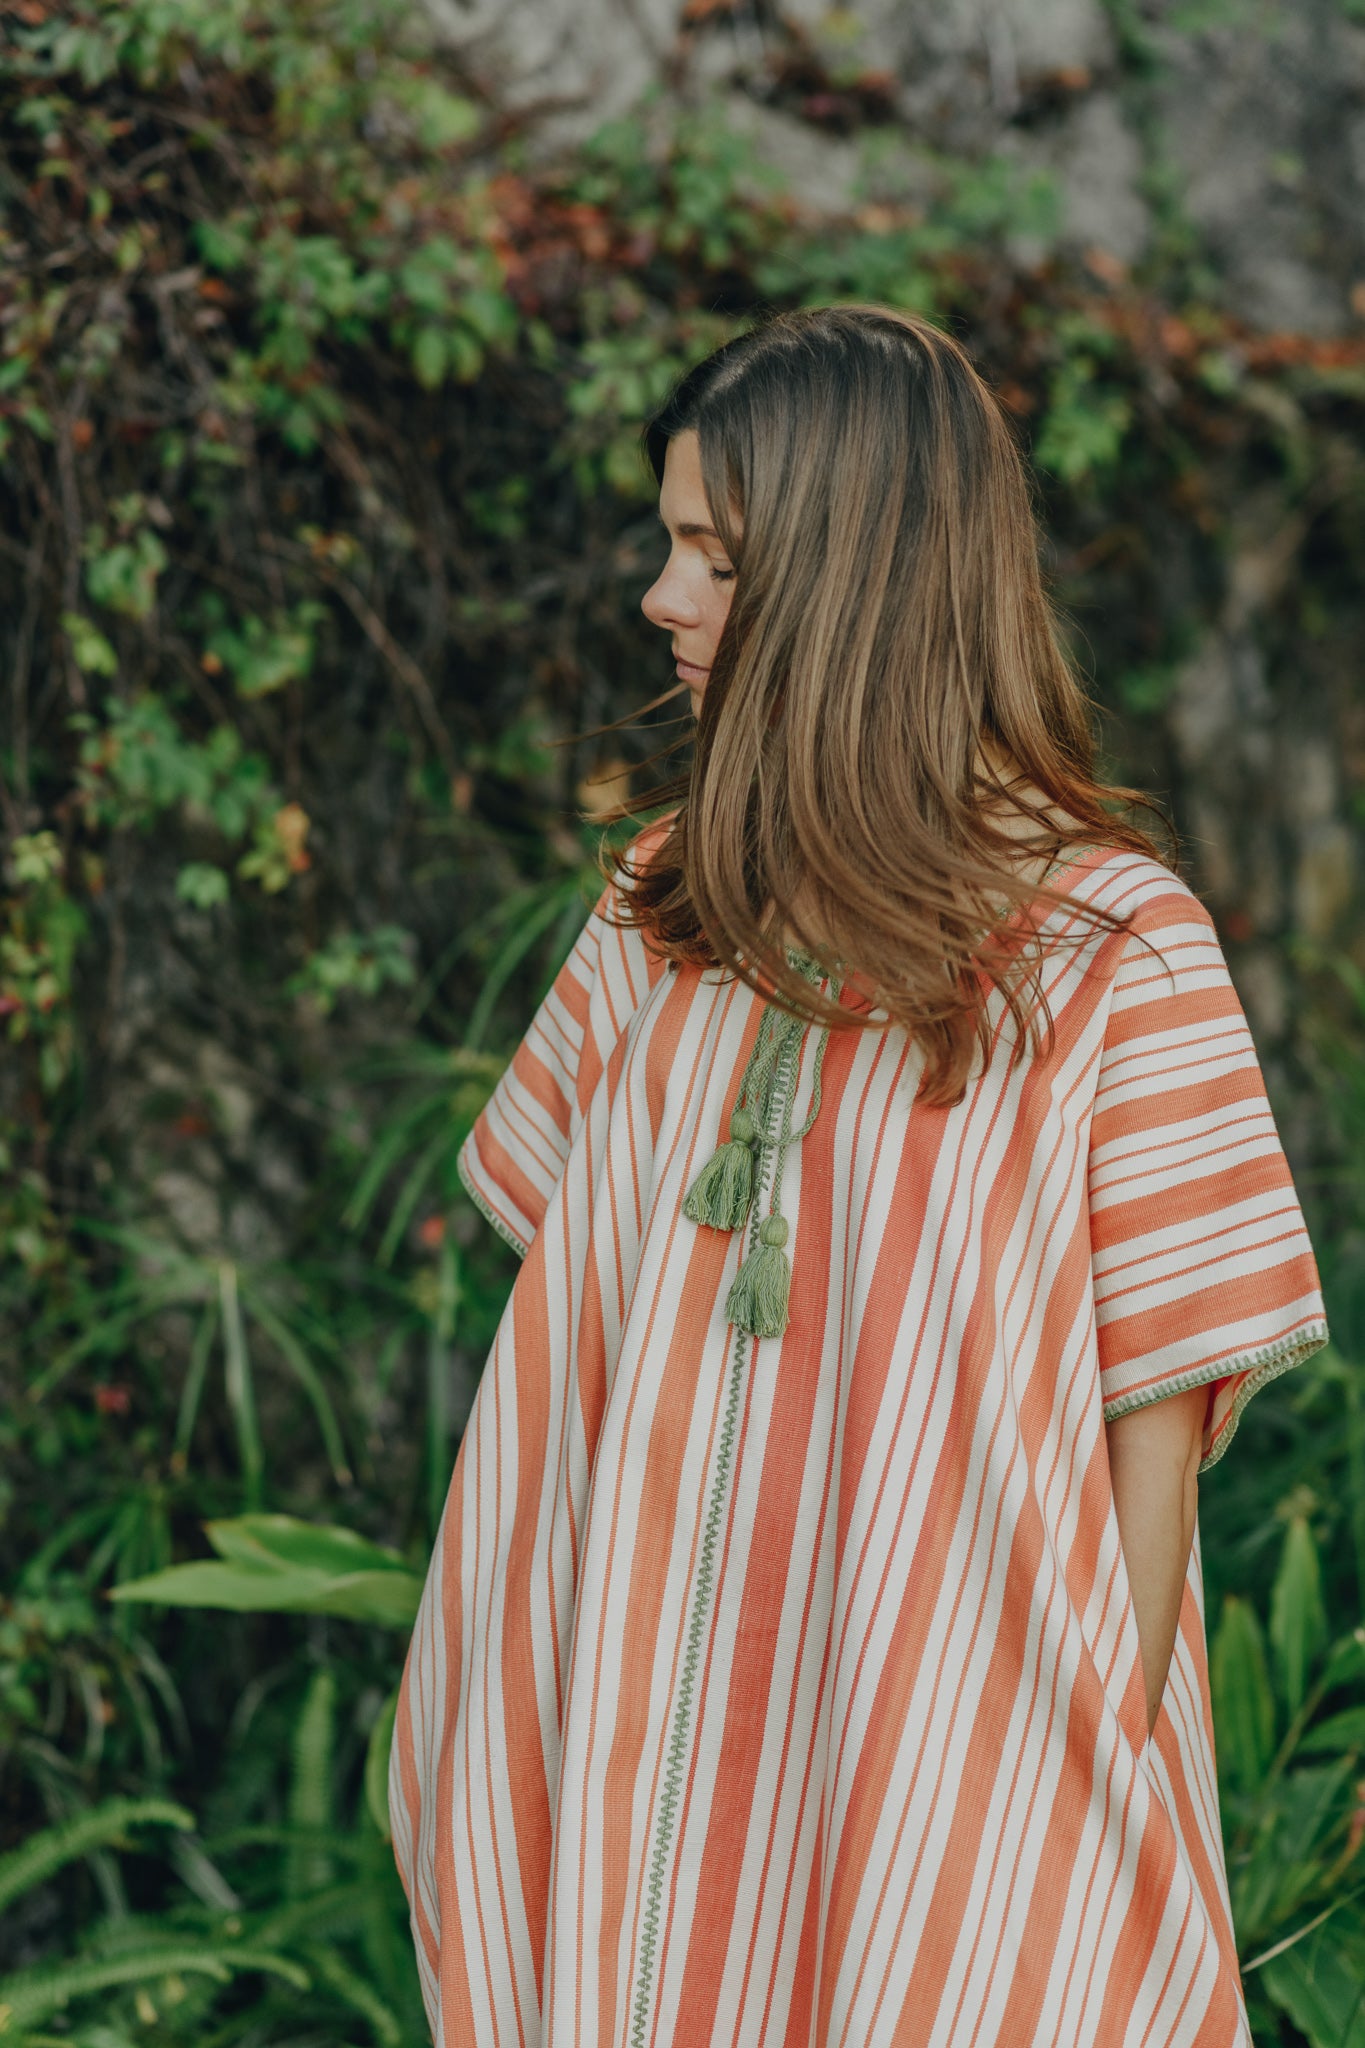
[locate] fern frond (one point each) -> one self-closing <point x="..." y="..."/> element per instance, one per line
<point x="102" y="1827"/>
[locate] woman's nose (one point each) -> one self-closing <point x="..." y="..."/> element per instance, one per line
<point x="665" y="604"/>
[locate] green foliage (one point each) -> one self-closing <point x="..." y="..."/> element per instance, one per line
<point x="263" y="656"/>
<point x="90" y="650"/>
<point x="310" y="1785"/>
<point x="27" y="1998"/>
<point x="122" y="574"/>
<point x="1244" y="1706"/>
<point x="147" y="1955"/>
<point x="139" y="764"/>
<point x="1145" y="690"/>
<point x="1291" y="1793"/>
<point x="202" y="884"/>
<point x="278" y="1565"/>
<point x="43" y="928"/>
<point x="1087" y="417"/>
<point x="43" y="1854"/>
<point x="1298" y="1625"/>
<point x="365" y="963"/>
<point x="228" y="1298"/>
<point x="275" y="1564"/>
<point x="909" y="254"/>
<point x="1085" y="423"/>
<point x="377" y="1764"/>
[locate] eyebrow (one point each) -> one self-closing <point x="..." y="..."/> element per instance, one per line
<point x="689" y="530"/>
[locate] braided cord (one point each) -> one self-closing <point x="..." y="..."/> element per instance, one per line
<point x="820" y="1044"/>
<point x="783" y="1136"/>
<point x="813" y="973"/>
<point x="755" y="1086"/>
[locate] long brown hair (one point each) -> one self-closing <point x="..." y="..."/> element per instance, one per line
<point x="888" y="682"/>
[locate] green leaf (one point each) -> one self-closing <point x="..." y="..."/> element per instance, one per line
<point x="310" y="1784"/>
<point x="1319" y="1982"/>
<point x="442" y="119"/>
<point x="354" y="1991"/>
<point x="424" y="277"/>
<point x="90" y="651"/>
<point x="33" y="1995"/>
<point x="1085" y="425"/>
<point x="466" y="353"/>
<point x="124" y="576"/>
<point x="310" y="1546"/>
<point x="377" y="1765"/>
<point x="513" y="950"/>
<point x="1297" y="1818"/>
<point x="42" y="1855"/>
<point x="1345" y="1660"/>
<point x="201" y="884"/>
<point x="1243" y="1705"/>
<point x="1344" y="1731"/>
<point x="387" y="1598"/>
<point x="364" y="962"/>
<point x="240" y="1384"/>
<point x="308" y="1377"/>
<point x="490" y="314"/>
<point x="276" y="1565"/>
<point x="35" y="858"/>
<point x="430" y="357"/>
<point x="265" y="655"/>
<point x="1298" y="1622"/>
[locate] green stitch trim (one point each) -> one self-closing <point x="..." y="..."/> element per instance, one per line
<point x="1261" y="1366"/>
<point x="780" y="1102"/>
<point x="507" y="1235"/>
<point x="682" y="1712"/>
<point x="1072" y="858"/>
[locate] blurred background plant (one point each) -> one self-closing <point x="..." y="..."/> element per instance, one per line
<point x="323" y="535"/>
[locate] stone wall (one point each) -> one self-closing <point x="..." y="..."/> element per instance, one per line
<point x="1248" y="116"/>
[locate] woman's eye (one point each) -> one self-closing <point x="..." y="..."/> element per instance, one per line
<point x="722" y="575"/>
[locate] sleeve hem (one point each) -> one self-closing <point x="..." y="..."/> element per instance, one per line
<point x="485" y="1207"/>
<point x="1260" y="1367"/>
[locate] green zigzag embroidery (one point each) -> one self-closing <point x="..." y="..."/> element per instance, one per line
<point x="701" y="1600"/>
<point x="682" y="1713"/>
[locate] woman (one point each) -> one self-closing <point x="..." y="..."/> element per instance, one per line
<point x="813" y="1648"/>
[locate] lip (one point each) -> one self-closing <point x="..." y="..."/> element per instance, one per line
<point x="689" y="670"/>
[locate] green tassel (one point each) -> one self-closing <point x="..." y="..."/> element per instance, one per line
<point x="759" y="1298"/>
<point x="721" y="1193"/>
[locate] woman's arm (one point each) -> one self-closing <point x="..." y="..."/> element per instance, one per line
<point x="1153" y="1460"/>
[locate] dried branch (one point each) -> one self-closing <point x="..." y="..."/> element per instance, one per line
<point x="381" y="639"/>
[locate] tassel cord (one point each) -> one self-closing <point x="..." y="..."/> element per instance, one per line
<point x="786" y="1135"/>
<point x="820" y="1044"/>
<point x="730" y="1189"/>
<point x="760" y="1292"/>
<point x="722" y="1193"/>
<point x="760" y="1075"/>
<point x="787" y="1035"/>
<point x="783" y="1136"/>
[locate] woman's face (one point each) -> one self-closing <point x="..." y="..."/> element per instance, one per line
<point x="691" y="597"/>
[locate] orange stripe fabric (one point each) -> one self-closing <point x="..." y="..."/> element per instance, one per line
<point x="787" y="1693"/>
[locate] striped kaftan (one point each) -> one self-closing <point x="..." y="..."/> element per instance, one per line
<point x="787" y="1693"/>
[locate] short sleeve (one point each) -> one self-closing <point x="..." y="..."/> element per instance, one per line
<point x="1203" y="1272"/>
<point x="513" y="1158"/>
